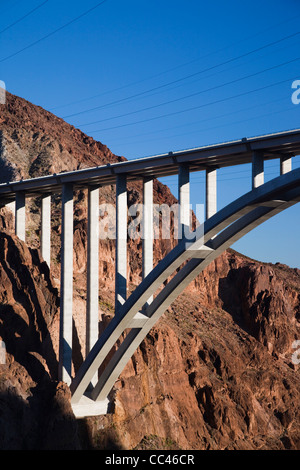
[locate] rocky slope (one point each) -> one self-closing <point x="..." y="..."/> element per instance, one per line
<point x="214" y="373"/>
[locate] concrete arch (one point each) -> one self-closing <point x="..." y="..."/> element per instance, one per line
<point x="220" y="232"/>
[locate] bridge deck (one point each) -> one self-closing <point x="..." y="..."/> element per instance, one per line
<point x="214" y="156"/>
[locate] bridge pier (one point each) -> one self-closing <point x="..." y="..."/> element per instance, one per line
<point x="121" y="242"/>
<point x="211" y="192"/>
<point x="46" y="228"/>
<point x="184" y="200"/>
<point x="257" y="169"/>
<point x="285" y="164"/>
<point x="147" y="229"/>
<point x="66" y="285"/>
<point x="92" y="317"/>
<point x="20" y="215"/>
<point x="147" y="224"/>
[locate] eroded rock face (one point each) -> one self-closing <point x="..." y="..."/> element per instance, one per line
<point x="34" y="142"/>
<point x="28" y="300"/>
<point x="214" y="373"/>
<point x="34" y="408"/>
<point x="263" y="299"/>
<point x="200" y="380"/>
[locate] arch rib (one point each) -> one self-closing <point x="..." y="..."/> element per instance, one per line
<point x="220" y="231"/>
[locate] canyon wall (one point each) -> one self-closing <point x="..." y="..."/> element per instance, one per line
<point x="214" y="373"/>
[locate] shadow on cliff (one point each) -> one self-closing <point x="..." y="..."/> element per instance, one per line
<point x="234" y="291"/>
<point x="18" y="429"/>
<point x="35" y="410"/>
<point x="35" y="426"/>
<point x="106" y="439"/>
<point x="46" y="426"/>
<point x="23" y="324"/>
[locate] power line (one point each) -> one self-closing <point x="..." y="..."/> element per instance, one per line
<point x="207" y="119"/>
<point x="197" y="79"/>
<point x="23" y="17"/>
<point x="185" y="77"/>
<point x="201" y="178"/>
<point x="192" y="94"/>
<point x="173" y="68"/>
<point x="53" y="32"/>
<point x="223" y="179"/>
<point x="215" y="127"/>
<point x="195" y="107"/>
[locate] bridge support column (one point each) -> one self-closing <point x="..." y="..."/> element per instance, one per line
<point x="92" y="270"/>
<point x="147" y="223"/>
<point x="121" y="242"/>
<point x="257" y="169"/>
<point x="46" y="228"/>
<point x="285" y="164"/>
<point x="66" y="286"/>
<point x="211" y="192"/>
<point x="20" y="215"/>
<point x="147" y="229"/>
<point x="184" y="200"/>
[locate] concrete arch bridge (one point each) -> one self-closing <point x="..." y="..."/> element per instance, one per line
<point x="193" y="252"/>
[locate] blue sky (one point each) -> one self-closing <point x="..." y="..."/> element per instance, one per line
<point x="165" y="75"/>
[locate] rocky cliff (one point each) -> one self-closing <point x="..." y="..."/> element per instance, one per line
<point x="214" y="373"/>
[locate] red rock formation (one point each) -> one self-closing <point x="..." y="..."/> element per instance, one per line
<point x="202" y="380"/>
<point x="214" y="373"/>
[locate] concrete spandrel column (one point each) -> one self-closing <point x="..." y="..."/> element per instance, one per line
<point x="147" y="229"/>
<point x="20" y="215"/>
<point x="92" y="269"/>
<point x="46" y="228"/>
<point x="285" y="164"/>
<point x="121" y="242"/>
<point x="211" y="192"/>
<point x="257" y="169"/>
<point x="147" y="224"/>
<point x="184" y="200"/>
<point x="66" y="286"/>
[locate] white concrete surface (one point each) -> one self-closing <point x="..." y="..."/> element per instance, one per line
<point x="20" y="215"/>
<point x="66" y="286"/>
<point x="211" y="192"/>
<point x="121" y="243"/>
<point x="46" y="228"/>
<point x="257" y="169"/>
